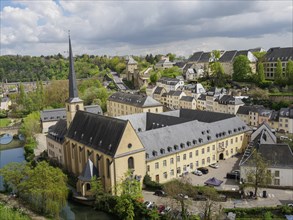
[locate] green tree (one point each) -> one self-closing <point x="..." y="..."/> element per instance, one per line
<point x="257" y="172"/>
<point x="43" y="187"/>
<point x="261" y="74"/>
<point x="31" y="125"/>
<point x="289" y="72"/>
<point x="259" y="55"/>
<point x="210" y="207"/>
<point x="171" y="56"/>
<point x="241" y="68"/>
<point x="154" y="77"/>
<point x="215" y="55"/>
<point x="279" y="73"/>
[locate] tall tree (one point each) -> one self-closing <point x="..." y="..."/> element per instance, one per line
<point x="261" y="74"/>
<point x="279" y="73"/>
<point x="257" y="173"/>
<point x="241" y="68"/>
<point x="289" y="72"/>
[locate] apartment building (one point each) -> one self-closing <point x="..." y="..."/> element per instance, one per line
<point x="187" y="102"/>
<point x="124" y="104"/>
<point x="227" y="104"/>
<point x="286" y="120"/>
<point x="172" y="99"/>
<point x="170" y="83"/>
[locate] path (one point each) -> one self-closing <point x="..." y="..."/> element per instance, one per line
<point x="42" y="145"/>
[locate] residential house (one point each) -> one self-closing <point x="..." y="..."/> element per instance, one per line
<point x="286" y="120"/>
<point x="164" y="63"/>
<point x="201" y="102"/>
<point x="173" y="99"/>
<point x="227" y="104"/>
<point x="249" y="114"/>
<point x="187" y="102"/>
<point x="170" y="83"/>
<point x="272" y="56"/>
<point x="194" y="89"/>
<point x="5" y="103"/>
<point x="279" y="157"/>
<point x="158" y="92"/>
<point x="212" y="95"/>
<point x="125" y="103"/>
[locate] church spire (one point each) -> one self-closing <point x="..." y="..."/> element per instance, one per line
<point x="73" y="94"/>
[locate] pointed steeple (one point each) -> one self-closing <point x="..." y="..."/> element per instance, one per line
<point x="73" y="93"/>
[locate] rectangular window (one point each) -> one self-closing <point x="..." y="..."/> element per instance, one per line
<point x="231" y="150"/>
<point x="178" y="158"/>
<point x="214" y="147"/>
<point x="178" y="170"/>
<point x="196" y="153"/>
<point x="277" y="182"/>
<point x="165" y="175"/>
<point x="202" y="161"/>
<point x="172" y="172"/>
<point x="277" y="173"/>
<point x="202" y="150"/>
<point x="214" y="157"/>
<point x="184" y="156"/>
<point x="191" y="166"/>
<point x="241" y="138"/>
<point x="236" y="139"/>
<point x="156" y="165"/>
<point x="172" y="160"/>
<point x="148" y="168"/>
<point x="226" y="143"/>
<point x="227" y="153"/>
<point x="231" y="141"/>
<point x="208" y="160"/>
<point x="196" y="163"/>
<point x="190" y="154"/>
<point x="184" y="168"/>
<point x="208" y="150"/>
<point x="164" y="163"/>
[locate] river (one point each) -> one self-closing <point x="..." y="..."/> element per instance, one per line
<point x="71" y="211"/>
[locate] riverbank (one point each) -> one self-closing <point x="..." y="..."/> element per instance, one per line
<point x="16" y="203"/>
<point x="13" y="144"/>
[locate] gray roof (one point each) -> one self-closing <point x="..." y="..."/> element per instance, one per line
<point x="158" y="90"/>
<point x="131" y="61"/>
<point x="277" y="155"/>
<point x="228" y="56"/>
<point x="58" y="131"/>
<point x="229" y="100"/>
<point x="174" y="93"/>
<point x="195" y="57"/>
<point x="244" y="110"/>
<point x="205" y="57"/>
<point x="286" y="112"/>
<point x="168" y="81"/>
<point x="284" y="54"/>
<point x="202" y="97"/>
<point x="263" y="135"/>
<point x="216" y="91"/>
<point x="60" y="113"/>
<point x="97" y="131"/>
<point x="133" y="99"/>
<point x="167" y="140"/>
<point x="187" y="98"/>
<point x="89" y="171"/>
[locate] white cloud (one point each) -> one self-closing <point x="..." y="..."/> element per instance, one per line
<point x="140" y="27"/>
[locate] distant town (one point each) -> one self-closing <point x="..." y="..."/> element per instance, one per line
<point x="151" y="137"/>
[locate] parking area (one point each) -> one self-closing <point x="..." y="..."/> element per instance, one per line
<point x="225" y="166"/>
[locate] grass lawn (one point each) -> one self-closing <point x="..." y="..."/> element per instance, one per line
<point x="4" y="122"/>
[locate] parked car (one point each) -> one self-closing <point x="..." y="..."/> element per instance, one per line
<point x="197" y="172"/>
<point x="160" y="193"/>
<point x="166" y="210"/>
<point x="215" y="165"/>
<point x="161" y="208"/>
<point x="148" y="204"/>
<point x="232" y="175"/>
<point x="204" y="170"/>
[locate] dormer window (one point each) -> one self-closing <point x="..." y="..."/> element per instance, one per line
<point x="194" y="141"/>
<point x="175" y="147"/>
<point x="182" y="145"/>
<point x="209" y="137"/>
<point x="235" y="129"/>
<point x="200" y="140"/>
<point x="229" y="132"/>
<point x="110" y="147"/>
<point x="243" y="127"/>
<point x="217" y="135"/>
<point x="81" y="137"/>
<point x="169" y="149"/>
<point x="203" y="132"/>
<point x="155" y="153"/>
<point x="100" y="143"/>
<point x="188" y="143"/>
<point x="208" y="131"/>
<point x="146" y="156"/>
<point x="162" y="151"/>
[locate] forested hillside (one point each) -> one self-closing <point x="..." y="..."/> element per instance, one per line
<point x="26" y="68"/>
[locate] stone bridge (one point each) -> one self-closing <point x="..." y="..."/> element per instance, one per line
<point x="12" y="130"/>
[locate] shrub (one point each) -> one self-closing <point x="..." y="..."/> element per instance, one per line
<point x="149" y="184"/>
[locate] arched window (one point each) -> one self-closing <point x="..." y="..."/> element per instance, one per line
<point x="130" y="163"/>
<point x="88" y="186"/>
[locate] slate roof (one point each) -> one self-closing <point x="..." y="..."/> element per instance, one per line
<point x="228" y="56"/>
<point x="216" y="91"/>
<point x="263" y="135"/>
<point x="278" y="155"/>
<point x="229" y="100"/>
<point x="187" y="66"/>
<point x="134" y="100"/>
<point x="274" y="116"/>
<point x="167" y="140"/>
<point x="158" y="90"/>
<point x="180" y="64"/>
<point x="202" y="97"/>
<point x="60" y="113"/>
<point x="174" y="93"/>
<point x="187" y="98"/>
<point x="99" y="132"/>
<point x="131" y="61"/>
<point x="286" y="112"/>
<point x="204" y="116"/>
<point x="242" y="52"/>
<point x="195" y="57"/>
<point x="58" y="131"/>
<point x="168" y="81"/>
<point x="284" y="54"/>
<point x="89" y="171"/>
<point x="205" y="57"/>
<point x="245" y="109"/>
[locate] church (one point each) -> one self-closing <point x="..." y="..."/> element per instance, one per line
<point x="162" y="145"/>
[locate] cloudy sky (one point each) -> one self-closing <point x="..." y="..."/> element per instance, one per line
<point x="40" y="27"/>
